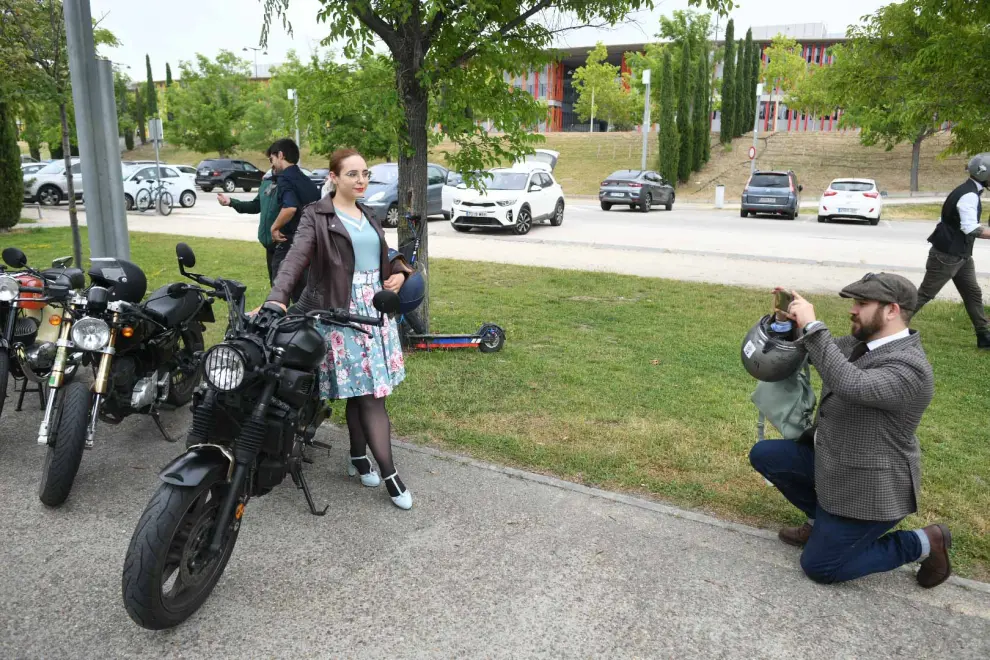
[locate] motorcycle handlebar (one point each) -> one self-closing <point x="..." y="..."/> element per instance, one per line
<point x="340" y="316"/>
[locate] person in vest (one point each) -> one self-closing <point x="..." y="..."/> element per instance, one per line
<point x="295" y="191"/>
<point x="951" y="254"/>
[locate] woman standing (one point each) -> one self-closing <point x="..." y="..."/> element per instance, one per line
<point x="345" y="250"/>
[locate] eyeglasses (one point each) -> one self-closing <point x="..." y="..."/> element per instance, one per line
<point x="353" y="175"/>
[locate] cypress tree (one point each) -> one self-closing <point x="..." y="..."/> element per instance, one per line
<point x="754" y="72"/>
<point x="11" y="176"/>
<point x="746" y="69"/>
<point x="685" y="158"/>
<point x="741" y="123"/>
<point x="701" y="133"/>
<point x="151" y="93"/>
<point x="670" y="143"/>
<point x="728" y="86"/>
<point x="168" y="75"/>
<point x="139" y="115"/>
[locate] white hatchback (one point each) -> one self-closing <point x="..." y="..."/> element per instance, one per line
<point x="856" y="199"/>
<point x="181" y="186"/>
<point x="514" y="198"/>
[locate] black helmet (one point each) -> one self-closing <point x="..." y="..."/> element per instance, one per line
<point x="768" y="358"/>
<point x="123" y="279"/>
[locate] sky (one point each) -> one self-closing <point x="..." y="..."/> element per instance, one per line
<point x="179" y="29"/>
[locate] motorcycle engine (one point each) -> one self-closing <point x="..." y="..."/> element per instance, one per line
<point x="25" y="330"/>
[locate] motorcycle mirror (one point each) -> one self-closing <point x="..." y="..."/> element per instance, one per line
<point x="185" y="254"/>
<point x="14" y="257"/>
<point x="386" y="302"/>
<point x="62" y="262"/>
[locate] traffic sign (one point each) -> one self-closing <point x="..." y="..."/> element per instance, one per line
<point x="752" y="153"/>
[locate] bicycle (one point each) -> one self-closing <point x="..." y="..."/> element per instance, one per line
<point x="154" y="195"/>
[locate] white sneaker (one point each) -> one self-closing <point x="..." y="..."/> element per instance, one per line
<point x="371" y="479"/>
<point x="403" y="498"/>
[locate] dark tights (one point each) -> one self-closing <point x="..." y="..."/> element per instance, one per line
<point x="369" y="426"/>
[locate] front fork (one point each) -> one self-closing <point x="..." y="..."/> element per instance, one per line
<point x="57" y="377"/>
<point x="102" y="381"/>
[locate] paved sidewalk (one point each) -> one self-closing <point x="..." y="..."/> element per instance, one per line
<point x="490" y="562"/>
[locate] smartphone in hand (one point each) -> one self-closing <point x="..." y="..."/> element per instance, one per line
<point x="782" y="300"/>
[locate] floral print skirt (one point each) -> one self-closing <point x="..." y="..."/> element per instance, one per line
<point x="358" y="364"/>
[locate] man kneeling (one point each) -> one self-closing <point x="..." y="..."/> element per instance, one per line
<point x="857" y="472"/>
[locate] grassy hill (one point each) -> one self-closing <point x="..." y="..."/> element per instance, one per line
<point x="817" y="158"/>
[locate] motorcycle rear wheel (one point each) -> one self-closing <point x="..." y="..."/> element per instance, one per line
<point x="181" y="388"/>
<point x="168" y="574"/>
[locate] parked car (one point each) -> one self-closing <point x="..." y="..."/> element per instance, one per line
<point x="778" y="193"/>
<point x="319" y="177"/>
<point x="49" y="185"/>
<point x="181" y="186"/>
<point x="547" y="157"/>
<point x="382" y="194"/>
<point x="514" y="198"/>
<point x="855" y="199"/>
<point x="186" y="169"/>
<point x="642" y="189"/>
<point x="31" y="168"/>
<point x="27" y="159"/>
<point x="229" y="174"/>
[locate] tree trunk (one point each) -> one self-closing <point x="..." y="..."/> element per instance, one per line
<point x="70" y="188"/>
<point x="413" y="160"/>
<point x="916" y="161"/>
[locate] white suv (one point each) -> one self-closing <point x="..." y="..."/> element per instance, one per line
<point x="514" y="198"/>
<point x="49" y="184"/>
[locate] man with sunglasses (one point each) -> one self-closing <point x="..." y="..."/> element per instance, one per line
<point x="857" y="472"/>
<point x="295" y="191"/>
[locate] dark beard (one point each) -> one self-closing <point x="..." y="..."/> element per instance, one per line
<point x="870" y="327"/>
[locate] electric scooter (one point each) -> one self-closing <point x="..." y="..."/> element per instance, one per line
<point x="488" y="339"/>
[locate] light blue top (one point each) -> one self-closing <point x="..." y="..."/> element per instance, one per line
<point x="367" y="246"/>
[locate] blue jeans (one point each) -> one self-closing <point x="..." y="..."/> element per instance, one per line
<point x="840" y="549"/>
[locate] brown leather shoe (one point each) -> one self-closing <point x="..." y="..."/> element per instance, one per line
<point x="796" y="536"/>
<point x="936" y="569"/>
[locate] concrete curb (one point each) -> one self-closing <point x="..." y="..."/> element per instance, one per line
<point x="628" y="500"/>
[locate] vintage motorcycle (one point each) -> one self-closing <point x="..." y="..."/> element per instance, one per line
<point x="143" y="354"/>
<point x="260" y="405"/>
<point x="29" y="298"/>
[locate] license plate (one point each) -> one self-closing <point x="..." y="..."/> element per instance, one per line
<point x="476" y="214"/>
<point x="617" y="194"/>
<point x="847" y="210"/>
<point x="768" y="200"/>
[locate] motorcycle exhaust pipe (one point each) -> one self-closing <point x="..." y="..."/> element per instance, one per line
<point x="21" y="352"/>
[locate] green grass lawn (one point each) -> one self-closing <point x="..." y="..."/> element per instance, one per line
<point x="625" y="383"/>
<point x="912" y="212"/>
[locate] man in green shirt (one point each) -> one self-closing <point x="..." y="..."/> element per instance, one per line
<point x="266" y="204"/>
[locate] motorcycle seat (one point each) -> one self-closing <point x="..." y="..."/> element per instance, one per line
<point x="171" y="311"/>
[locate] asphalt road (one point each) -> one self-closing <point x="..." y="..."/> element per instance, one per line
<point x="692" y="242"/>
<point x="489" y="563"/>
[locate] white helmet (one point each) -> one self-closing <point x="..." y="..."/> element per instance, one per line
<point x="979" y="167"/>
<point x="767" y="358"/>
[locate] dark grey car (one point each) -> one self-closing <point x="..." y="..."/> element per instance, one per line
<point x="642" y="189"/>
<point x="772" y="192"/>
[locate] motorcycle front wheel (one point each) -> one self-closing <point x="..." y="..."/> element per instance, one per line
<point x="4" y="373"/>
<point x="65" y="448"/>
<point x="168" y="571"/>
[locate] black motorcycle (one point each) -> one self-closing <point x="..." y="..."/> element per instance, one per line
<point x="260" y="406"/>
<point x="29" y="307"/>
<point x="143" y="355"/>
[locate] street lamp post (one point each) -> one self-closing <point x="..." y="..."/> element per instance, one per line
<point x="294" y="96"/>
<point x="263" y="52"/>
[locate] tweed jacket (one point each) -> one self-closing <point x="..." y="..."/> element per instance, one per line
<point x="867" y="456"/>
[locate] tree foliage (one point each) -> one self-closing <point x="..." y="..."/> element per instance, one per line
<point x="670" y="142"/>
<point x="702" y="133"/>
<point x="151" y="93"/>
<point x="686" y="135"/>
<point x="727" y="130"/>
<point x="210" y="105"/>
<point x="602" y="83"/>
<point x="739" y="121"/>
<point x="11" y="187"/>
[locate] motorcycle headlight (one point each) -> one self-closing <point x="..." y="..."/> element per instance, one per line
<point x="506" y="202"/>
<point x="9" y="288"/>
<point x="377" y="196"/>
<point x="224" y="368"/>
<point x="90" y="334"/>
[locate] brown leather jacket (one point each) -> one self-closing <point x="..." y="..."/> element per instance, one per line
<point x="323" y="244"/>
